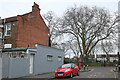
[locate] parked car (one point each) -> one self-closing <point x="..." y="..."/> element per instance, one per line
<point x="66" y="70"/>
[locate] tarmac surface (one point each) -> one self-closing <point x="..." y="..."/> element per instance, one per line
<point x="92" y="72"/>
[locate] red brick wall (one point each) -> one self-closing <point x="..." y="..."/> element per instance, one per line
<point x="12" y="39"/>
<point x="28" y="29"/>
<point x="32" y="30"/>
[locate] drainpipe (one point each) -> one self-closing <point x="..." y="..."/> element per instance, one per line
<point x="3" y="33"/>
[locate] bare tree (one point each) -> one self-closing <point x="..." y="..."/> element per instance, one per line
<point x="107" y="47"/>
<point x="74" y="47"/>
<point x="52" y="22"/>
<point x="89" y="26"/>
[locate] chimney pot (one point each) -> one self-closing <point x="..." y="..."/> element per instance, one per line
<point x="35" y="7"/>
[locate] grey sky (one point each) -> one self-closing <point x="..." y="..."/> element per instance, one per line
<point x="10" y="8"/>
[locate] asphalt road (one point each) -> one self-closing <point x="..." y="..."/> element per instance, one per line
<point x="96" y="72"/>
<point x="99" y="72"/>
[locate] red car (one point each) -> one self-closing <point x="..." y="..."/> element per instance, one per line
<point x="66" y="70"/>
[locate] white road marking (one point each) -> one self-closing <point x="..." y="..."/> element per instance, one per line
<point x="115" y="76"/>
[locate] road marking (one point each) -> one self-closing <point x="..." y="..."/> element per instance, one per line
<point x="92" y="76"/>
<point x="115" y="75"/>
<point x="112" y="70"/>
<point x="92" y="70"/>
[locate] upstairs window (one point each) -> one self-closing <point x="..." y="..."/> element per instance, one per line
<point x="7" y="45"/>
<point x="8" y="30"/>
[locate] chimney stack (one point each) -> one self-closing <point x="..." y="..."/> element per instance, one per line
<point x="35" y="7"/>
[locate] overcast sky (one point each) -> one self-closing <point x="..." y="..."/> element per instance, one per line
<point x="9" y="8"/>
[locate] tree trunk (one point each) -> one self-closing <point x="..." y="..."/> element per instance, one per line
<point x="108" y="57"/>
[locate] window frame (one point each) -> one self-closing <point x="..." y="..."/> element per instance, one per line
<point x="8" y="29"/>
<point x="60" y="58"/>
<point x="49" y="57"/>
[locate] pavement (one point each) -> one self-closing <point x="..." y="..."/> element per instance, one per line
<point x="44" y="75"/>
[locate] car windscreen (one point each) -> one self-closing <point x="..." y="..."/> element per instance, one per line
<point x="65" y="66"/>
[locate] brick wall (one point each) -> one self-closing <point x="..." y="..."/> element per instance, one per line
<point x="12" y="39"/>
<point x="32" y="29"/>
<point x="28" y="30"/>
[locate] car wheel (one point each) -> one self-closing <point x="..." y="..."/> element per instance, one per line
<point x="78" y="73"/>
<point x="71" y="74"/>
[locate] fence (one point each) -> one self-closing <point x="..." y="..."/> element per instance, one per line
<point x="15" y="67"/>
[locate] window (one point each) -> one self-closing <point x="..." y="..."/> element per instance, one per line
<point x="7" y="45"/>
<point x="49" y="57"/>
<point x="65" y="66"/>
<point x="8" y="30"/>
<point x="18" y="55"/>
<point x="75" y="65"/>
<point x="13" y="55"/>
<point x="59" y="58"/>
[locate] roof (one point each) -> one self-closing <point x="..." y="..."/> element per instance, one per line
<point x="17" y="49"/>
<point x="10" y="19"/>
<point x="50" y="47"/>
<point x="14" y="49"/>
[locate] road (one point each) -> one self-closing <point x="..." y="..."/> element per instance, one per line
<point x="96" y="72"/>
<point x="99" y="72"/>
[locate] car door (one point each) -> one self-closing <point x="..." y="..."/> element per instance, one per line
<point x="75" y="68"/>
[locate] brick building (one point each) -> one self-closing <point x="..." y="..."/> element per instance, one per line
<point x="25" y="30"/>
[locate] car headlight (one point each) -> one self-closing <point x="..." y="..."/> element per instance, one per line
<point x="67" y="70"/>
